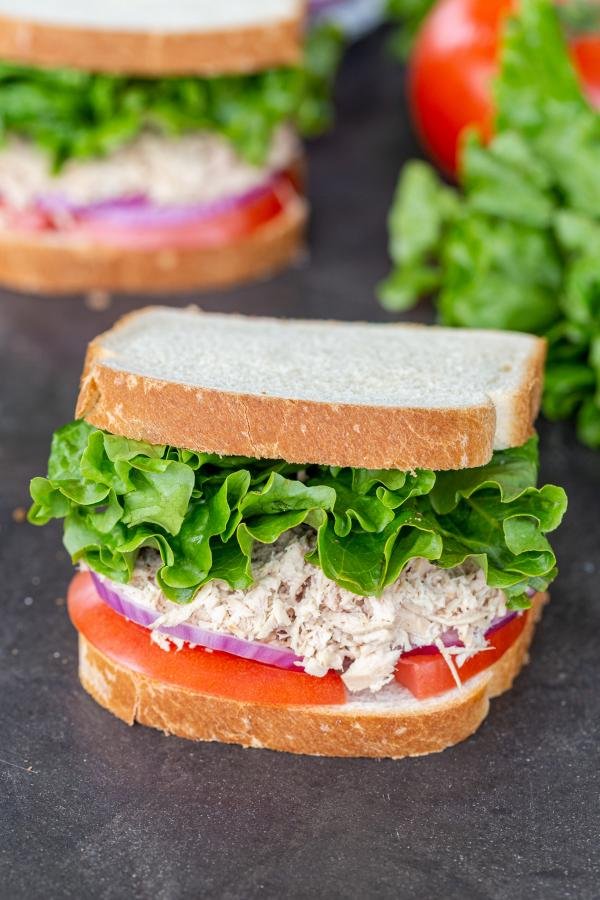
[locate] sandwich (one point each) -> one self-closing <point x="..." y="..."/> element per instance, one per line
<point x="355" y="17"/>
<point x="325" y="538"/>
<point x="150" y="146"/>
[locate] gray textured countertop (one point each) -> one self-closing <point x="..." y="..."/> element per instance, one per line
<point x="91" y="808"/>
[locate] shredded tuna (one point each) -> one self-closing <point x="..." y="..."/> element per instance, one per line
<point x="192" y="168"/>
<point x="294" y="605"/>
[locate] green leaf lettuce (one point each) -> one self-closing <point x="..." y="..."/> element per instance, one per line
<point x="410" y="15"/>
<point x="204" y="513"/>
<point x="78" y="115"/>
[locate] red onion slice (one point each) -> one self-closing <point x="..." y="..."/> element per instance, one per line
<point x="60" y="204"/>
<point x="265" y="653"/>
<point x="138" y="211"/>
<point x="498" y="623"/>
<point x="450" y="637"/>
<point x="141" y="615"/>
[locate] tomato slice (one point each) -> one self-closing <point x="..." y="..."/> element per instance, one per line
<point x="427" y="674"/>
<point x="27" y="219"/>
<point x="218" y="674"/>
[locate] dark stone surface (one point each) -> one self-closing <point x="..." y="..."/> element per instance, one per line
<point x="91" y="808"/>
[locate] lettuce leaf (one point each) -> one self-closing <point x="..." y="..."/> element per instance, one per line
<point x="77" y="115"/>
<point x="519" y="247"/>
<point x="204" y="513"/>
<point x="410" y="15"/>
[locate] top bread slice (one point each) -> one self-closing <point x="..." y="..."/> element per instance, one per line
<point x="153" y="37"/>
<point x="341" y="394"/>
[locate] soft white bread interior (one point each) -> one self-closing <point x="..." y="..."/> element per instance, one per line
<point x="153" y="15"/>
<point x="152" y="36"/>
<point x="344" y="394"/>
<point x="391" y="723"/>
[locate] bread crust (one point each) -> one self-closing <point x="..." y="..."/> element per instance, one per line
<point x="300" y="431"/>
<point x="205" y="419"/>
<point x="62" y="264"/>
<point x="527" y="401"/>
<point x="412" y="729"/>
<point x="154" y="54"/>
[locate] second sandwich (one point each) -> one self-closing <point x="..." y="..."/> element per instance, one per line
<point x="152" y="146"/>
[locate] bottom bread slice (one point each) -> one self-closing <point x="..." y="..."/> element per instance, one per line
<point x="64" y="264"/>
<point x="390" y="723"/>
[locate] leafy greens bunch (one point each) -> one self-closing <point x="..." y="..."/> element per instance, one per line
<point x="410" y="15"/>
<point x="203" y="513"/>
<point x="519" y="247"/>
<point x="77" y="115"/>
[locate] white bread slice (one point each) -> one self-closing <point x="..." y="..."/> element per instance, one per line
<point x="153" y="15"/>
<point x="62" y="263"/>
<point x="390" y="724"/>
<point x="343" y="394"/>
<point x="153" y="37"/>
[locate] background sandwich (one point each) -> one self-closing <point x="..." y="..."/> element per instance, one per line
<point x="152" y="146"/>
<point x="346" y="516"/>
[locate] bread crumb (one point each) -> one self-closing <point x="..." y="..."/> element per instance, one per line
<point x="19" y="514"/>
<point x="98" y="300"/>
<point x="60" y="601"/>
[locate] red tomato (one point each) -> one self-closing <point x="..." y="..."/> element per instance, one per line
<point x="586" y="53"/>
<point x="218" y="674"/>
<point x="27" y="219"/>
<point x="427" y="674"/>
<point x="454" y="61"/>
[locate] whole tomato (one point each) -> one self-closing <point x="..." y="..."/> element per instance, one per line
<point x="454" y="61"/>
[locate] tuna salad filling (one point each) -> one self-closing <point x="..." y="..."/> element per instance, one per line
<point x="293" y="605"/>
<point x="177" y="139"/>
<point x="193" y="168"/>
<point x="343" y="568"/>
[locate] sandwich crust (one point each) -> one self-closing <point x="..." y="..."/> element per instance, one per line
<point x="62" y="264"/>
<point x="413" y="728"/>
<point x="300" y="431"/>
<point x="205" y="419"/>
<point x="153" y="53"/>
